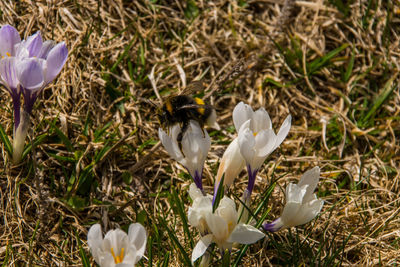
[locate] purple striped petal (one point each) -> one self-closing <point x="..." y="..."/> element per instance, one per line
<point x="55" y="61"/>
<point x="8" y="73"/>
<point x="30" y="74"/>
<point x="46" y="48"/>
<point x="34" y="44"/>
<point x="9" y="37"/>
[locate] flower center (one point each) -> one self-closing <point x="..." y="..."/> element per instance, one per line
<point x="231" y="226"/>
<point x="255" y="133"/>
<point x="119" y="258"/>
<point x="7" y="54"/>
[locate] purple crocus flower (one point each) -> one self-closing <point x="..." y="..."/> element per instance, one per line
<point x="26" y="67"/>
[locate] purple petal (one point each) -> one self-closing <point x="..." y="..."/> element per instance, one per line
<point x="8" y="73"/>
<point x="55" y="61"/>
<point x="9" y="37"/>
<point x="274" y="226"/>
<point x="30" y="74"/>
<point x="34" y="44"/>
<point x="46" y="48"/>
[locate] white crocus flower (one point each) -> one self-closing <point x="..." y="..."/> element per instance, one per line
<point x="256" y="140"/>
<point x="195" y="146"/>
<point x="202" y="205"/>
<point x="223" y="228"/>
<point x="117" y="248"/>
<point x="301" y="205"/>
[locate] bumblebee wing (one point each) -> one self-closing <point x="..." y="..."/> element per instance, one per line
<point x="194" y="86"/>
<point x="192" y="106"/>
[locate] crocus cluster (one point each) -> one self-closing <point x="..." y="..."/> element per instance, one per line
<point x="216" y="217"/>
<point x="117" y="249"/>
<point x="26" y="67"/>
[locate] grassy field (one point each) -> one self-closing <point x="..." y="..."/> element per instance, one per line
<point x="93" y="154"/>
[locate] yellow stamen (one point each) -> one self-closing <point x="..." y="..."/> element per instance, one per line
<point x="201" y="103"/>
<point x="8" y="54"/>
<point x="119" y="258"/>
<point x="255" y="133"/>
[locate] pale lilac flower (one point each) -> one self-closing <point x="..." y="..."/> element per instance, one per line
<point x="195" y="146"/>
<point x="117" y="249"/>
<point x="26" y="67"/>
<point x="301" y="205"/>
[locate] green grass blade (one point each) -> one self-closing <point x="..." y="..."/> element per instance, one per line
<point x="175" y="240"/>
<point x="6" y="141"/>
<point x="318" y="63"/>
<point x="220" y="193"/>
<point x="82" y="254"/>
<point x="382" y="97"/>
<point x="64" y="138"/>
<point x="350" y="67"/>
<point x="259" y="208"/>
<point x="166" y="260"/>
<point x="180" y="209"/>
<point x="31" y="242"/>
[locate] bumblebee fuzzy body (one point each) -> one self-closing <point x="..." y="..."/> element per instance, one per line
<point x="181" y="109"/>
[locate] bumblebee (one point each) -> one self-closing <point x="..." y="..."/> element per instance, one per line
<point x="183" y="108"/>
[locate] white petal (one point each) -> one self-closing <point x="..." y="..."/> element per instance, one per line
<point x="212" y="120"/>
<point x="260" y="121"/>
<point x="295" y="193"/>
<point x="107" y="260"/>
<point x="241" y="113"/>
<point x="245" y="234"/>
<point x="95" y="239"/>
<point x="201" y="247"/>
<point x="265" y="142"/>
<point x="130" y="257"/>
<point x="283" y="131"/>
<point x="227" y="211"/>
<point x="290" y="214"/>
<point x="308" y="212"/>
<point x="169" y="146"/>
<point x="218" y="226"/>
<point x="198" y="212"/>
<point x="194" y="192"/>
<point x="232" y="164"/>
<point x="246" y="144"/>
<point x="138" y="237"/>
<point x="310" y="178"/>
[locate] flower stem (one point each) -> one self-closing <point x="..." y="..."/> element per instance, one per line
<point x="226" y="258"/>
<point x="243" y="208"/>
<point x="20" y="132"/>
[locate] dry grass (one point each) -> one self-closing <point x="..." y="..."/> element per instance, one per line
<point x="114" y="45"/>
